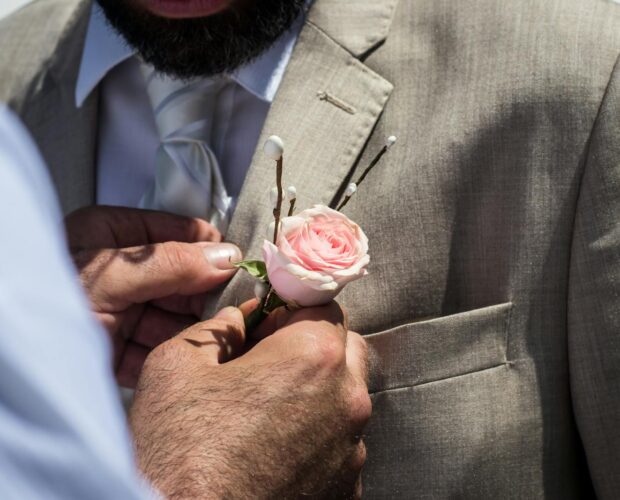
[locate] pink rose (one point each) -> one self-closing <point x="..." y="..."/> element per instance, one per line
<point x="319" y="251"/>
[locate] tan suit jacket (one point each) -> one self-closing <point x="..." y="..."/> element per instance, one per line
<point x="493" y="300"/>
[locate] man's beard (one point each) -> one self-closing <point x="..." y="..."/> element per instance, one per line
<point x="205" y="46"/>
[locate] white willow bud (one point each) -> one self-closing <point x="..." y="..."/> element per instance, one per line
<point x="274" y="147"/>
<point x="351" y="189"/>
<point x="261" y="290"/>
<point x="391" y="141"/>
<point x="291" y="193"/>
<point x="273" y="196"/>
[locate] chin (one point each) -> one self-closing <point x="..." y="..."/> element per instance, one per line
<point x="184" y="9"/>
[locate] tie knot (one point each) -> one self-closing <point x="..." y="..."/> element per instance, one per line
<point x="183" y="109"/>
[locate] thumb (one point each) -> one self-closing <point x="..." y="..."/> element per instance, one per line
<point x="121" y="277"/>
<point x="220" y="338"/>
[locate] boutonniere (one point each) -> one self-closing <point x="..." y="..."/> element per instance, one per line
<point x="314" y="253"/>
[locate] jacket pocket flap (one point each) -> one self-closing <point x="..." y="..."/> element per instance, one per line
<point x="418" y="353"/>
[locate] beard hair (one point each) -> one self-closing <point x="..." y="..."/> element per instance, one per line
<point x="205" y="46"/>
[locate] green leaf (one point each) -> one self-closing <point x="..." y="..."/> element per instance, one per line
<point x="256" y="268"/>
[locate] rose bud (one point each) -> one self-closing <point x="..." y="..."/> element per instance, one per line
<point x="318" y="252"/>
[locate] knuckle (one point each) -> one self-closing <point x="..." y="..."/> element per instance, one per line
<point x="361" y="342"/>
<point x="332" y="352"/>
<point x="214" y="234"/>
<point x="325" y="351"/>
<point x="359" y="406"/>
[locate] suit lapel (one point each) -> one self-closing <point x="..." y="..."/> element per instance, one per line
<point x="357" y="25"/>
<point x="325" y="110"/>
<point x="65" y="134"/>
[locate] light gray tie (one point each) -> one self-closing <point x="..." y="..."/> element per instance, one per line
<point x="188" y="180"/>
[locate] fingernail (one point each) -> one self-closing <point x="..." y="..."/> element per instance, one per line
<point x="223" y="255"/>
<point x="231" y="314"/>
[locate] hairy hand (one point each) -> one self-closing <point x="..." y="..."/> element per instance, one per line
<point x="283" y="420"/>
<point x="146" y="274"/>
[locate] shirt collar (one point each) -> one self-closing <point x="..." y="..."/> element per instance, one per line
<point x="104" y="49"/>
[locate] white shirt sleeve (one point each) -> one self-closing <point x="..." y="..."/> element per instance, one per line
<point x="62" y="430"/>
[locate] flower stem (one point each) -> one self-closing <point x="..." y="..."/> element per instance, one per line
<point x="267" y="304"/>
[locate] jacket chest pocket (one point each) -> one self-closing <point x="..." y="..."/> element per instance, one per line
<point x="437" y="349"/>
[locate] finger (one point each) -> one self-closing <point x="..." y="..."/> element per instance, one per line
<point x="248" y="307"/>
<point x="156" y="326"/>
<point x="118" y="227"/>
<point x="315" y="334"/>
<point x="321" y="318"/>
<point x="219" y="339"/>
<point x="272" y="323"/>
<point x="163" y="226"/>
<point x="357" y="357"/>
<point x="330" y="313"/>
<point x="131" y="363"/>
<point x="116" y="279"/>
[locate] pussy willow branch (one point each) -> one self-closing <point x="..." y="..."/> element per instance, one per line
<point x="291" y="208"/>
<point x="372" y="165"/>
<point x="277" y="211"/>
<point x="343" y="203"/>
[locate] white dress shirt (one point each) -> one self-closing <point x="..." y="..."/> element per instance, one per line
<point x="62" y="430"/>
<point x="128" y="139"/>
